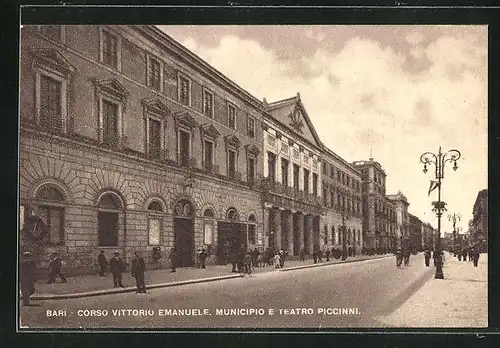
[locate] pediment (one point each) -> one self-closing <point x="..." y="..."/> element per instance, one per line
<point x="252" y="149"/>
<point x="232" y="141"/>
<point x="53" y="59"/>
<point x="185" y="119"/>
<point x="156" y="106"/>
<point x="209" y="130"/>
<point x="112" y="86"/>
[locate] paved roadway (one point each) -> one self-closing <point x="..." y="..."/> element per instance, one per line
<point x="372" y="287"/>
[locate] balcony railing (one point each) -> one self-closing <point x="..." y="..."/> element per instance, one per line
<point x="210" y="168"/>
<point x="234" y="175"/>
<point x="186" y="161"/>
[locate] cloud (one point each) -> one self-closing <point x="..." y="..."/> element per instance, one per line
<point x="362" y="94"/>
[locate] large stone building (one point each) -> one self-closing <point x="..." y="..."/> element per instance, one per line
<point x="306" y="186"/>
<point x="479" y="232"/>
<point x="129" y="142"/>
<point x="379" y="213"/>
<point x="415" y="237"/>
<point x="428" y="236"/>
<point x="402" y="218"/>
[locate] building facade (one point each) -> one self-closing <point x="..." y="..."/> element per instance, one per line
<point x="379" y="213"/>
<point x="415" y="233"/>
<point x="428" y="236"/>
<point x="130" y="142"/>
<point x="402" y="218"/>
<point x="479" y="232"/>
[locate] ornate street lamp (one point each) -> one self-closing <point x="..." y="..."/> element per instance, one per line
<point x="439" y="161"/>
<point x="454" y="218"/>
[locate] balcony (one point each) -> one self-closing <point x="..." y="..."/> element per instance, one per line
<point x="234" y="175"/>
<point x="186" y="161"/>
<point x="210" y="168"/>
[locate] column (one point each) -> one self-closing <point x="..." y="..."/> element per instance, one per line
<point x="290" y="170"/>
<point x="301" y="177"/>
<point x="277" y="228"/>
<point x="278" y="167"/>
<point x="309" y="232"/>
<point x="300" y="231"/>
<point x="288" y="230"/>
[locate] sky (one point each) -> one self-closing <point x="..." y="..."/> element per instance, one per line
<point x="399" y="90"/>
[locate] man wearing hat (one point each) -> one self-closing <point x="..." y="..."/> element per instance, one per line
<point x="117" y="267"/>
<point x="103" y="262"/>
<point x="137" y="270"/>
<point x="27" y="274"/>
<point x="55" y="266"/>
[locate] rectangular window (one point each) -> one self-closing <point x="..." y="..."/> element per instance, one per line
<point x="154" y="74"/>
<point x="271" y="166"/>
<point x="208" y="104"/>
<point x="110" y="123"/>
<point x="296" y="153"/>
<point x="154" y="147"/>
<point x="50" y="104"/>
<point x="154" y="230"/>
<point x="315" y="184"/>
<point x="251" y="169"/>
<point x="284" y="148"/>
<point x="231" y="164"/>
<point x="231" y="116"/>
<point x="208" y="232"/>
<point x="52" y="31"/>
<point x="332" y="199"/>
<point x="284" y="172"/>
<point x="184" y="147"/>
<point x="324" y="168"/>
<point x="53" y="217"/>
<point x="306" y="181"/>
<point x="296" y="170"/>
<point x="184" y="91"/>
<point x="325" y="196"/>
<point x="251" y="127"/>
<point x="208" y="156"/>
<point x="271" y="139"/>
<point x="109" y="49"/>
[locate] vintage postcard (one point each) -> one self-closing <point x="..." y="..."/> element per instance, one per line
<point x="253" y="177"/>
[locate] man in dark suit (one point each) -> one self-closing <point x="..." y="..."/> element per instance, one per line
<point x="55" y="266"/>
<point x="174" y="259"/>
<point x="117" y="267"/>
<point x="27" y="274"/>
<point x="138" y="268"/>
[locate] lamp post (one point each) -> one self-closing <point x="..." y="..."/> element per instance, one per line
<point x="439" y="161"/>
<point x="454" y="218"/>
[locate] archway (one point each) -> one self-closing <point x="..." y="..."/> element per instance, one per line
<point x="184" y="232"/>
<point x="109" y="206"/>
<point x="231" y="237"/>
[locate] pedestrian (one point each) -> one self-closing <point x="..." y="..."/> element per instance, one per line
<point x="102" y="262"/>
<point x="255" y="256"/>
<point x="349" y="251"/>
<point x="233" y="258"/>
<point x="174" y="259"/>
<point x="315" y="256"/>
<point x="475" y="257"/>
<point x="320" y="256"/>
<point x="406" y="257"/>
<point x="55" y="266"/>
<point x="247" y="262"/>
<point x="277" y="260"/>
<point x="27" y="273"/>
<point x="327" y="254"/>
<point x="138" y="268"/>
<point x="282" y="258"/>
<point x="302" y="255"/>
<point x="353" y="252"/>
<point x="203" y="258"/>
<point x="459" y="256"/>
<point x="117" y="266"/>
<point x="464" y="256"/>
<point x="427" y="256"/>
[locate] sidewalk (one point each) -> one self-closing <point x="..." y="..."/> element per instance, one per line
<point x="458" y="300"/>
<point x="93" y="285"/>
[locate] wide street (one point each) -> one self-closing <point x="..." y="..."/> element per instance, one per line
<point x="368" y="288"/>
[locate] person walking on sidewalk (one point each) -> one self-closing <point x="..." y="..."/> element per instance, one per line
<point x="427" y="257"/>
<point x="138" y="268"/>
<point x="247" y="263"/>
<point x="327" y="254"/>
<point x="117" y="267"/>
<point x="27" y="274"/>
<point x="102" y="262"/>
<point x="475" y="257"/>
<point x="277" y="260"/>
<point x="203" y="258"/>
<point x="55" y="266"/>
<point x="255" y="256"/>
<point x="174" y="259"/>
<point x="302" y="255"/>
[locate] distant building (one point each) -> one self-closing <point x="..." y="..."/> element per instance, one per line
<point x="415" y="233"/>
<point x="479" y="233"/>
<point x="402" y="217"/>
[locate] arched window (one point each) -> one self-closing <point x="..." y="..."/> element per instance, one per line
<point x="232" y="214"/>
<point x="109" y="207"/>
<point x="208" y="226"/>
<point x="51" y="210"/>
<point x="155" y="208"/>
<point x="252" y="238"/>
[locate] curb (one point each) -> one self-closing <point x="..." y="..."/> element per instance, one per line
<point x="130" y="288"/>
<point x="332" y="263"/>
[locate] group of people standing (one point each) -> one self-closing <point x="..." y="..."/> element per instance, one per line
<point x="471" y="253"/>
<point x="117" y="267"/>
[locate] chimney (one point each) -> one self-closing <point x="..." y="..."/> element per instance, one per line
<point x="264" y="101"/>
<point x="298" y="95"/>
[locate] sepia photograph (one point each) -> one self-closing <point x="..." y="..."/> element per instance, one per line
<point x="248" y="177"/>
